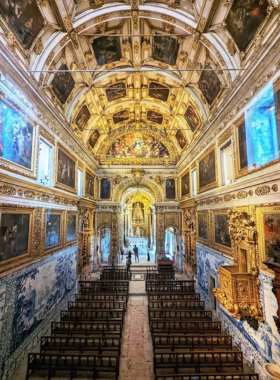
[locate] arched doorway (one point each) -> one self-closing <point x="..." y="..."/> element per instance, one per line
<point x="105" y="243"/>
<point x="172" y="244"/>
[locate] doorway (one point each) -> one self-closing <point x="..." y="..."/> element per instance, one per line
<point x="170" y="242"/>
<point x="105" y="243"/>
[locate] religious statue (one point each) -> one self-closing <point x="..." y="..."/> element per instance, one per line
<point x="138" y="213"/>
<point x="138" y="232"/>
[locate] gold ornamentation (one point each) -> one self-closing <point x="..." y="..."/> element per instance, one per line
<point x="183" y="56"/>
<point x="101" y="18"/>
<point x="7" y="190"/>
<point x="68" y="23"/>
<point x="201" y="24"/>
<point x="274" y="187"/>
<point x="227" y="197"/>
<point x="168" y="19"/>
<point x="242" y="194"/>
<point x="231" y="46"/>
<point x="96" y="3"/>
<point x="138" y="174"/>
<point x="262" y="190"/>
<point x="38" y="47"/>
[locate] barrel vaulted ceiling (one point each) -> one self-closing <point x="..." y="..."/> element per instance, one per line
<point x="143" y="93"/>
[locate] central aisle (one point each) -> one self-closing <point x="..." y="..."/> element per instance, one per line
<point x="136" y="361"/>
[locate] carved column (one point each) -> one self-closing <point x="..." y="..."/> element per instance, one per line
<point x="115" y="246"/>
<point x="189" y="233"/>
<point x="159" y="232"/>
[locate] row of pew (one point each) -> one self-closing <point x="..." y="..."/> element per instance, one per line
<point x="187" y="343"/>
<point x="86" y="342"/>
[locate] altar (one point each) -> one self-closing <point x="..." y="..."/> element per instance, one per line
<point x="141" y="243"/>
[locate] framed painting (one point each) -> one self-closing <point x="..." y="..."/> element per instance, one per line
<point x="202" y="226"/>
<point x="158" y="91"/>
<point x="24" y="18"/>
<point x="165" y="49"/>
<point x="15" y="234"/>
<point x="209" y="84"/>
<point x="207" y="171"/>
<point x="116" y="91"/>
<point x="82" y="117"/>
<point x="121" y="116"/>
<point x="244" y="19"/>
<point x="107" y="49"/>
<point x="71" y="227"/>
<point x="62" y="84"/>
<point x="93" y="139"/>
<point x="89" y="184"/>
<point x="181" y="139"/>
<point x="185" y="185"/>
<point x="54" y="224"/>
<point x="105" y="189"/>
<point x="66" y="171"/>
<point x="220" y="231"/>
<point x="191" y="118"/>
<point x="155" y="117"/>
<point x="170" y="189"/>
<point x="17" y="141"/>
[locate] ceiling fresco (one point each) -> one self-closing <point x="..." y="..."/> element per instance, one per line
<point x="161" y="65"/>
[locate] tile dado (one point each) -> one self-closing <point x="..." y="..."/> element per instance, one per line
<point x="258" y="346"/>
<point x="29" y="299"/>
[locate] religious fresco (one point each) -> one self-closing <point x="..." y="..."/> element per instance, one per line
<point x="121" y="116"/>
<point x="116" y="91"/>
<point x="16" y="137"/>
<point x="165" y="49"/>
<point x="158" y="91"/>
<point x="93" y="139"/>
<point x="180" y="137"/>
<point x="62" y="84"/>
<point x="53" y="229"/>
<point x="207" y="170"/>
<point x="105" y="188"/>
<point x="155" y="117"/>
<point x="66" y="173"/>
<point x="202" y="225"/>
<point x="185" y="184"/>
<point x="89" y="185"/>
<point x="137" y="145"/>
<point x="71" y="227"/>
<point x="170" y="188"/>
<point x="14" y="235"/>
<point x="222" y="230"/>
<point x="83" y="117"/>
<point x="24" y="18"/>
<point x="192" y="118"/>
<point x="209" y="84"/>
<point x="271" y="226"/>
<point x="244" y="19"/>
<point x="107" y="49"/>
<point x="243" y="161"/>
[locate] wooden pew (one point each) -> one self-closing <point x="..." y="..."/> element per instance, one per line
<point x="171" y="305"/>
<point x="212" y="376"/>
<point x="74" y="365"/>
<point x="92" y="315"/>
<point x="174" y="297"/>
<point x="101" y="297"/>
<point x="67" y="344"/>
<point x="100" y="287"/>
<point x="89" y="305"/>
<point x="181" y="315"/>
<point x="113" y="329"/>
<point x="191" y="342"/>
<point x="154" y="275"/>
<point x="178" y="283"/>
<point x="200" y="362"/>
<point x="169" y="288"/>
<point x="186" y="327"/>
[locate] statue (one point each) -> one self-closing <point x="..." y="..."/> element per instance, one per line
<point x="137" y="232"/>
<point x="138" y="213"/>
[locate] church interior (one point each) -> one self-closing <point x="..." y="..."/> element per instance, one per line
<point x="140" y="189"/>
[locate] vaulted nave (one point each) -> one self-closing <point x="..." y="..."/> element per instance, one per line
<point x="140" y="189"/>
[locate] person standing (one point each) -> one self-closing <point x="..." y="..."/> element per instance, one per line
<point x="122" y="252"/>
<point x="135" y="250"/>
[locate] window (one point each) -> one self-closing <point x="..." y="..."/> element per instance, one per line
<point x="227" y="164"/>
<point x="194" y="188"/>
<point x="80" y="182"/>
<point x="45" y="164"/>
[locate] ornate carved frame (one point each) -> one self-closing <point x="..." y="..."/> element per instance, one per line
<point x="62" y="233"/>
<point x="176" y="189"/>
<point x="180" y="184"/>
<point x="74" y="241"/>
<point x="20" y="260"/>
<point x="61" y="185"/>
<point x="198" y="238"/>
<point x="211" y="235"/>
<point x="213" y="184"/>
<point x="94" y="183"/>
<point x="12" y="166"/>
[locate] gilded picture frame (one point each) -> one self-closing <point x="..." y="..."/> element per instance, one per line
<point x="87" y="173"/>
<point x="62" y="233"/>
<point x="22" y="258"/>
<point x="213" y="232"/>
<point x="61" y="185"/>
<point x="202" y="236"/>
<point x="99" y="189"/>
<point x="13" y="166"/>
<point x="67" y="239"/>
<point x="181" y="184"/>
<point x="213" y="184"/>
<point x="176" y="189"/>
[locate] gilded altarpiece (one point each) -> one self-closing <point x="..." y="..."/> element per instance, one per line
<point x="189" y="233"/>
<point x="239" y="285"/>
